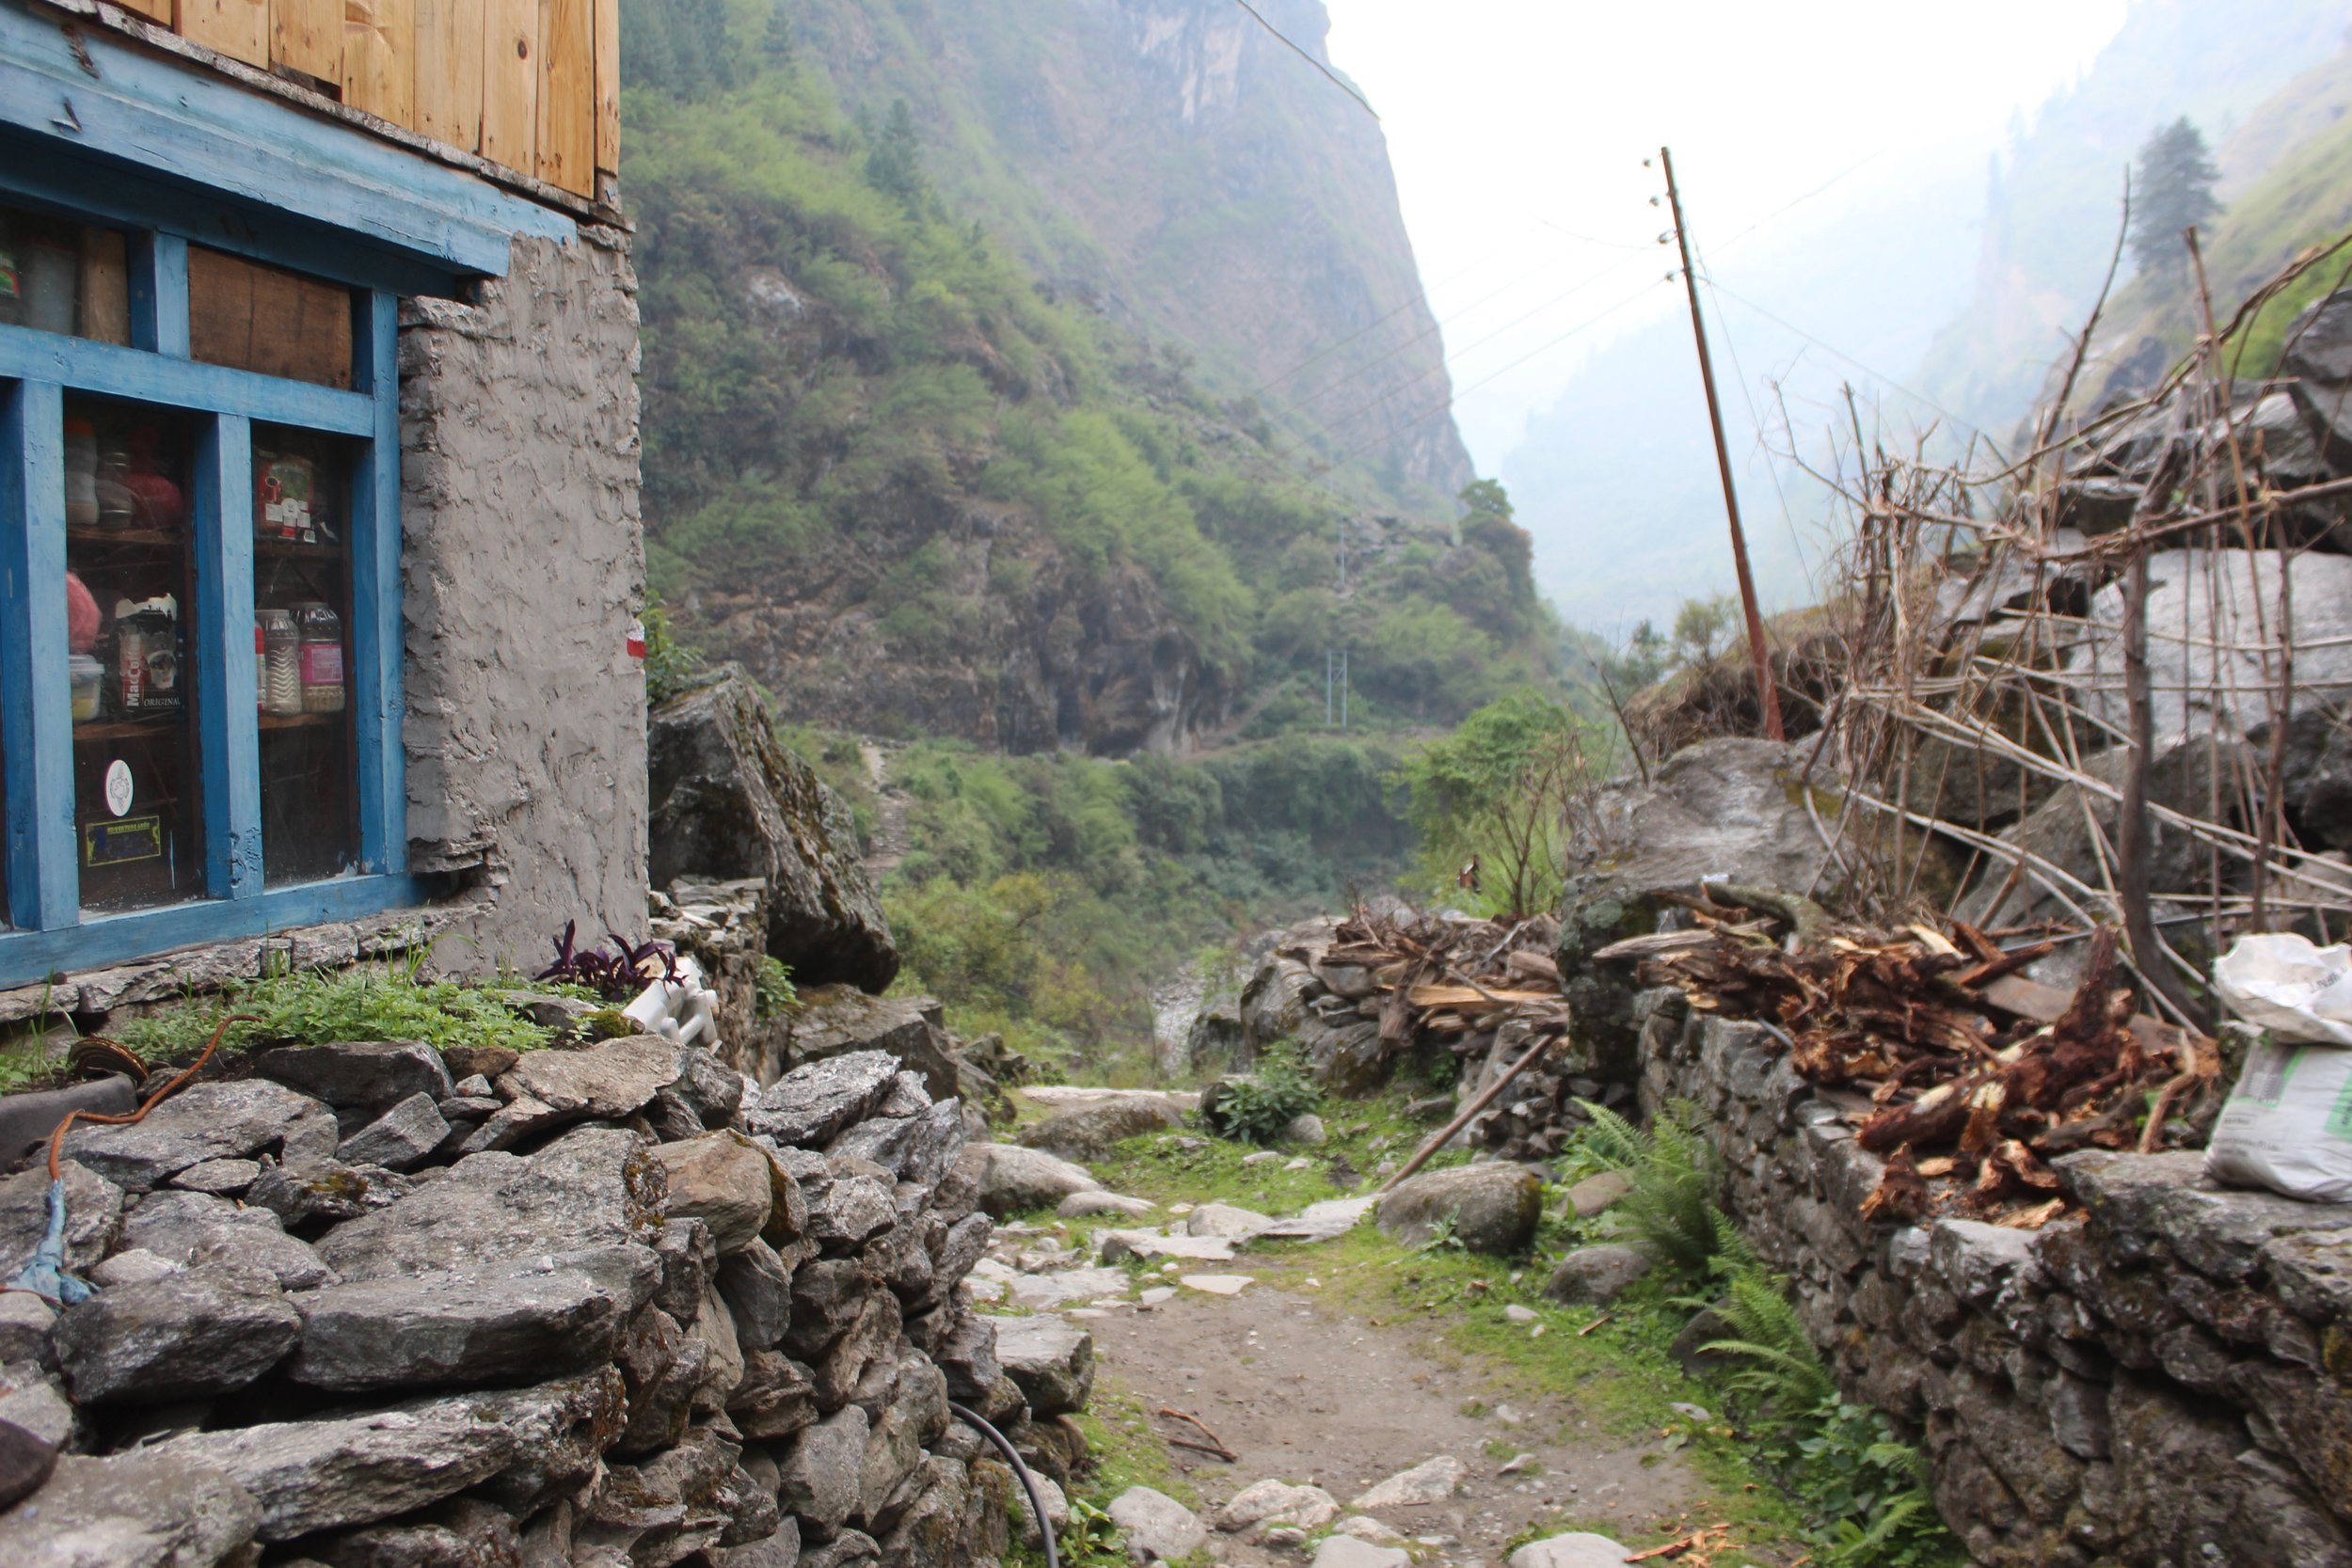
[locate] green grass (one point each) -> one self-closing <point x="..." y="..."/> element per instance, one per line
<point x="372" y="1002"/>
<point x="1123" y="1450"/>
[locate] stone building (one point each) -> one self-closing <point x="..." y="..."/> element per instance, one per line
<point x="320" y="550"/>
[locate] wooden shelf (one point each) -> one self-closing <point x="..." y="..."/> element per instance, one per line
<point x="296" y="549"/>
<point x="141" y="728"/>
<point x="152" y="538"/>
<point x="160" y="724"/>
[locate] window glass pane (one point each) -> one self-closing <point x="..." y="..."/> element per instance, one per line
<point x="61" y="276"/>
<point x="302" y="638"/>
<point x="264" y="319"/>
<point x="138" y="817"/>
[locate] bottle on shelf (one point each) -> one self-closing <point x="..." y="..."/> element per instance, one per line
<point x="322" y="658"/>
<point x="281" y="663"/>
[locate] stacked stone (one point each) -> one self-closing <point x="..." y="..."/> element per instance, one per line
<point x="2164" y="1377"/>
<point x="1333" y="1010"/>
<point x="380" y="1305"/>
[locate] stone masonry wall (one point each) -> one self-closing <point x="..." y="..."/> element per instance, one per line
<point x="523" y="564"/>
<point x="606" y="1305"/>
<point x="2162" y="1380"/>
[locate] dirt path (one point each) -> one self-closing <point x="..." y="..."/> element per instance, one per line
<point x="890" y="831"/>
<point x="1311" y="1395"/>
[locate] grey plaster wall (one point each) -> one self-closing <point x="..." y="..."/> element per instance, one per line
<point x="523" y="565"/>
<point x="2161" y="1380"/>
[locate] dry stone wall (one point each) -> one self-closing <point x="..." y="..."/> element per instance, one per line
<point x="609" y="1304"/>
<point x="2163" y="1380"/>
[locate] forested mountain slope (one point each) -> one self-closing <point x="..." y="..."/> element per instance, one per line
<point x="1174" y="162"/>
<point x="917" y="492"/>
<point x="2050" y="216"/>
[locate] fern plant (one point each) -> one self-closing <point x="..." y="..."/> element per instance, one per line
<point x="1670" y="1209"/>
<point x="1778" y="1367"/>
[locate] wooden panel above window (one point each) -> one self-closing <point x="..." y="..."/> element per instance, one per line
<point x="532" y="86"/>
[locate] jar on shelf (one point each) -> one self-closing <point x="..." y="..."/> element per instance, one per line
<point x="117" y="504"/>
<point x="281" y="663"/>
<point x="322" y="658"/>
<point x="81" y="474"/>
<point x="147" y="655"/>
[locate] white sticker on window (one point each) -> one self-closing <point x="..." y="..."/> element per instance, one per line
<point x="118" y="787"/>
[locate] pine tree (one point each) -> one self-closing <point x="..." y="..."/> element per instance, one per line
<point x="894" y="164"/>
<point x="2171" y="192"/>
<point x="779" y="42"/>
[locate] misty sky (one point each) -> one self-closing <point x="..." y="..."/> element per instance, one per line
<point x="1517" y="130"/>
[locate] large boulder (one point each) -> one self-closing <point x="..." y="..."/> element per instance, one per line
<point x="1728" y="808"/>
<point x="1491" y="1208"/>
<point x="358" y="1075"/>
<point x="1013" y="1178"/>
<point x="1088" y="1131"/>
<point x="729" y="801"/>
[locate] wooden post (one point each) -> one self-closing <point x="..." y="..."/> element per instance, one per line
<point x="1766" y="692"/>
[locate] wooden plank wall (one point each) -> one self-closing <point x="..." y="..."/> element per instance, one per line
<point x="532" y="85"/>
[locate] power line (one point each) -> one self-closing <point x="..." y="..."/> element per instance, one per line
<point x="1421" y="296"/>
<point x="1331" y="426"/>
<point x="1832" y="349"/>
<point x="1777" y="212"/>
<point x="1771" y="468"/>
<point x="1327" y="70"/>
<point x="1380" y="359"/>
<point x="1448" y="406"/>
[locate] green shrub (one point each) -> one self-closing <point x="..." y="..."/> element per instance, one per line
<point x="1256" y="1106"/>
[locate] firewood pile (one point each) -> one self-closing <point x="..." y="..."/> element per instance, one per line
<point x="1965" y="1076"/>
<point x="1488" y="992"/>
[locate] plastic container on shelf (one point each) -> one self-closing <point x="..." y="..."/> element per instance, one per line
<point x="322" y="658"/>
<point x="89" y="679"/>
<point x="81" y="474"/>
<point x="281" y="663"/>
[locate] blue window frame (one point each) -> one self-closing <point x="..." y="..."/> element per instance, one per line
<point x="187" y="165"/>
<point x="228" y="889"/>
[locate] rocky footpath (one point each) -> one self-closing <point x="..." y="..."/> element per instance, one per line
<point x="376" y="1305"/>
<point x="1170" y="1283"/>
<point x="2164" y="1378"/>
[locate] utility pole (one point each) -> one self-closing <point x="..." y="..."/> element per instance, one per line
<point x="1757" y="651"/>
<point x="1342" y="691"/>
<point x="1329" y="663"/>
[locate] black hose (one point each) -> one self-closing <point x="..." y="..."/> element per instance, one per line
<point x="1028" y="1482"/>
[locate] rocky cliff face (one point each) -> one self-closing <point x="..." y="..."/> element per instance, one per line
<point x="1172" y="161"/>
